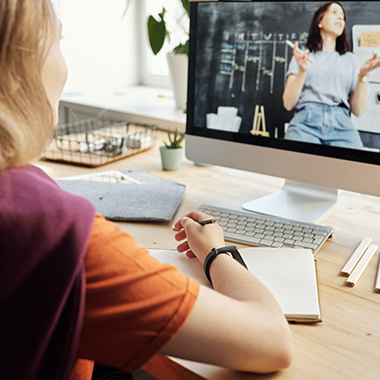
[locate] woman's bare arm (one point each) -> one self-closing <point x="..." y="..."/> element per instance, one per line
<point x="237" y="325"/>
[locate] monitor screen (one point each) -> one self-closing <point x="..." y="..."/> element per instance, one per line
<point x="239" y="115"/>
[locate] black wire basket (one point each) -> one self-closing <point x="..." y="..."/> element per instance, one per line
<point x="98" y="141"/>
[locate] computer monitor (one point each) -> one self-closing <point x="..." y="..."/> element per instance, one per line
<point x="238" y="61"/>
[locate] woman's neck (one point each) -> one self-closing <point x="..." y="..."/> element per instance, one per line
<point x="328" y="43"/>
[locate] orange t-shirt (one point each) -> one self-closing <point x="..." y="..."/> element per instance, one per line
<point x="134" y="304"/>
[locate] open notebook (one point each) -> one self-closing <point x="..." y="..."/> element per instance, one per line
<point x="290" y="275"/>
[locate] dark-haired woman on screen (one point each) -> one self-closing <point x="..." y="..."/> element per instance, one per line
<point x="326" y="91"/>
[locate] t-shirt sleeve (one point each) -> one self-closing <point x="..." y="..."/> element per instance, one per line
<point x="134" y="304"/>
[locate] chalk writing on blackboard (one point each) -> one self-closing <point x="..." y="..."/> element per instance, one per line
<point x="243" y="48"/>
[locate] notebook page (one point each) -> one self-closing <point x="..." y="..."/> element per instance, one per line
<point x="290" y="275"/>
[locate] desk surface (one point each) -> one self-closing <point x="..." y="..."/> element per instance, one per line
<point x="346" y="345"/>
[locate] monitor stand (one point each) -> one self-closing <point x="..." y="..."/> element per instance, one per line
<point x="297" y="201"/>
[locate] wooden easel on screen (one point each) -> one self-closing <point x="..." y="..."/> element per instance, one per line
<point x="258" y="119"/>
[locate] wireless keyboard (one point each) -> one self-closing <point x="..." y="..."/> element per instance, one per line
<point x="266" y="230"/>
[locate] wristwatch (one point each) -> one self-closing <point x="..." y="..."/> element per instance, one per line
<point x="231" y="250"/>
<point x="363" y="78"/>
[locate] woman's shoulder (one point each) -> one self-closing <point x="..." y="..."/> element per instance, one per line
<point x="30" y="198"/>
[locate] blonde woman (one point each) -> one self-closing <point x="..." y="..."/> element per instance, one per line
<point x="74" y="285"/>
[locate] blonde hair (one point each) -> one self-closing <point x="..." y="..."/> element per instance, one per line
<point x="28" y="29"/>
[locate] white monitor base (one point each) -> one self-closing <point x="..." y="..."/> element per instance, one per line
<point x="297" y="201"/>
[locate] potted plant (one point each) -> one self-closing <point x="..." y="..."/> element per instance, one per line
<point x="178" y="58"/>
<point x="172" y="152"/>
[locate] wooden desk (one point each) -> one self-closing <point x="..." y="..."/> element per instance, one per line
<point x="346" y="345"/>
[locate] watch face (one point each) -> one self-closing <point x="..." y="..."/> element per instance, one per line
<point x="365" y="78"/>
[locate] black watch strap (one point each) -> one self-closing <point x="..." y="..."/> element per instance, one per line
<point x="217" y="251"/>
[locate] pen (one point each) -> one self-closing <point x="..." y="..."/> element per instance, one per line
<point x="207" y="221"/>
<point x="202" y="222"/>
<point x="298" y="49"/>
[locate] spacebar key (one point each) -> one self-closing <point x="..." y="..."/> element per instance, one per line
<point x="241" y="238"/>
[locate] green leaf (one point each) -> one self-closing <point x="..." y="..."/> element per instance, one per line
<point x="157" y="32"/>
<point x="179" y="142"/>
<point x="170" y="138"/>
<point x="182" y="48"/>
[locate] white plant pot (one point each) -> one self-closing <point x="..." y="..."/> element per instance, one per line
<point x="171" y="158"/>
<point x="178" y="74"/>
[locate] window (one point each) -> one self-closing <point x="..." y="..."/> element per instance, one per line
<point x="155" y="68"/>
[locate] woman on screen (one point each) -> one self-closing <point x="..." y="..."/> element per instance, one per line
<point x="76" y="286"/>
<point x="327" y="83"/>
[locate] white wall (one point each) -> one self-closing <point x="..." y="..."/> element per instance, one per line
<point x="101" y="48"/>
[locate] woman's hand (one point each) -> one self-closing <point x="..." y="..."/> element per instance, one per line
<point x="370" y="65"/>
<point x="301" y="58"/>
<point x="200" y="240"/>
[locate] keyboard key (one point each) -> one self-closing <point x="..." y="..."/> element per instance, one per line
<point x="266" y="243"/>
<point x="276" y="245"/>
<point x="319" y="232"/>
<point x="317" y="240"/>
<point x="305" y="245"/>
